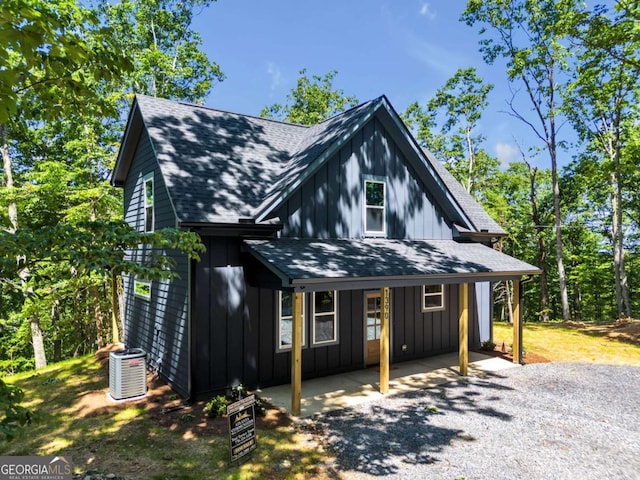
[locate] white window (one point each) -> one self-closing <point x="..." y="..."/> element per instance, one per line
<point x="148" y="203"/>
<point x="432" y="297"/>
<point x="142" y="289"/>
<point x="325" y="317"/>
<point x="285" y="320"/>
<point x="375" y="207"/>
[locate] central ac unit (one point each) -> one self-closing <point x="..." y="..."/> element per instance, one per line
<point x="127" y="373"/>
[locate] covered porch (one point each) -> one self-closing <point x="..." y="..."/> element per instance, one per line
<point x="308" y="265"/>
<point x="320" y="395"/>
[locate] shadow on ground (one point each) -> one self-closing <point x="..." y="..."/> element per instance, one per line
<point x="379" y="438"/>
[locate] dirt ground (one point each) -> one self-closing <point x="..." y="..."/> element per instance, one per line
<point x="627" y="329"/>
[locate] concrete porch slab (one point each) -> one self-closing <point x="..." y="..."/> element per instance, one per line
<point x="324" y="394"/>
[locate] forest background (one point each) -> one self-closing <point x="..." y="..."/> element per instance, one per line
<point x="68" y="73"/>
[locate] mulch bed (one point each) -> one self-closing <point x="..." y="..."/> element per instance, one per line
<point x="168" y="409"/>
<point x="529" y="357"/>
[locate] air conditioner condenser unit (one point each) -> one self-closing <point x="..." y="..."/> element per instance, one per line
<point x="127" y="373"/>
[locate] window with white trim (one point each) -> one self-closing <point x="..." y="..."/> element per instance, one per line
<point x="285" y="320"/>
<point x="148" y="203"/>
<point x="432" y="297"/>
<point x="142" y="288"/>
<point x="375" y="215"/>
<point x="325" y="317"/>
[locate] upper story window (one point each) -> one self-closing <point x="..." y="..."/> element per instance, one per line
<point x="148" y="203"/>
<point x="432" y="297"/>
<point x="375" y="204"/>
<point x="285" y="320"/>
<point x="325" y="317"/>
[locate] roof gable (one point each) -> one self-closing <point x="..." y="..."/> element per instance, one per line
<point x="222" y="167"/>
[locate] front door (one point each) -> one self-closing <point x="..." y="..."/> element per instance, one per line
<point x="373" y="319"/>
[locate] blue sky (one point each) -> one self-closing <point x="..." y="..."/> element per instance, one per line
<point x="405" y="49"/>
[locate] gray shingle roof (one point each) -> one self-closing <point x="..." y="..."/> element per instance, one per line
<point x="217" y="165"/>
<point x="302" y="261"/>
<point x="221" y="166"/>
<point x="478" y="216"/>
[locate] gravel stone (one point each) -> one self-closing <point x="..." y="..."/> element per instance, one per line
<point x="540" y="421"/>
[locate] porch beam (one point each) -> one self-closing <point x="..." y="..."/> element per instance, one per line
<point x="463" y="327"/>
<point x="517" y="324"/>
<point x="384" y="342"/>
<point x="296" y="355"/>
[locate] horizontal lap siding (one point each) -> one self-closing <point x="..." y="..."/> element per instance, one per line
<point x="160" y="325"/>
<point x="330" y="203"/>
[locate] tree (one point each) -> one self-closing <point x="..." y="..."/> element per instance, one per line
<point x="66" y="72"/>
<point x="457" y="107"/>
<point x="166" y="52"/>
<point x="531" y="35"/>
<point x="312" y="101"/>
<point x="53" y="55"/>
<point x="601" y="104"/>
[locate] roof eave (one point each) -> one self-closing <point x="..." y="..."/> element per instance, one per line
<point x="364" y="283"/>
<point x="271" y="204"/>
<point x="127" y="146"/>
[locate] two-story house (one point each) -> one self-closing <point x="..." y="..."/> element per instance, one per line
<point x="312" y="234"/>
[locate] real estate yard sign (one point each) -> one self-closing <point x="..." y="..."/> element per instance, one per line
<point x="242" y="427"/>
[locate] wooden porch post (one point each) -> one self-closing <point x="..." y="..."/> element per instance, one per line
<point x="517" y="322"/>
<point x="463" y="330"/>
<point x="296" y="354"/>
<point x="384" y="342"/>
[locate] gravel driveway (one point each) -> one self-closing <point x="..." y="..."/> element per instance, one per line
<point x="541" y="421"/>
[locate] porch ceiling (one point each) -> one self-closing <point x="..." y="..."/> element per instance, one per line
<point x="350" y="264"/>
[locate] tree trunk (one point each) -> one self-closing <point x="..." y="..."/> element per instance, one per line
<point x="471" y="161"/>
<point x="57" y="343"/>
<point x="38" y="343"/>
<point x="622" y="286"/>
<point x="542" y="247"/>
<point x="509" y="301"/>
<point x="12" y="209"/>
<point x="115" y="308"/>
<point x="98" y="317"/>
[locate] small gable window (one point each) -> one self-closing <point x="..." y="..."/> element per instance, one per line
<point x="325" y="317"/>
<point x="375" y="202"/>
<point x="432" y="297"/>
<point x="142" y="289"/>
<point x="285" y="320"/>
<point x="148" y="202"/>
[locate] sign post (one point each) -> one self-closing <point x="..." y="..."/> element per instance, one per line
<point x="242" y="427"/>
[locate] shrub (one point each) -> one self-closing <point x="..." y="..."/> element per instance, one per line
<point x="487" y="345"/>
<point x="216" y="407"/>
<point x="13" y="415"/>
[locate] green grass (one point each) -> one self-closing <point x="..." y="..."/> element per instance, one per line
<point x="125" y="440"/>
<point x="561" y="343"/>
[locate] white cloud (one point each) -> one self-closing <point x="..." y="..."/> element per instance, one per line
<point x="427" y="11"/>
<point x="507" y="153"/>
<point x="434" y="56"/>
<point x="275" y="74"/>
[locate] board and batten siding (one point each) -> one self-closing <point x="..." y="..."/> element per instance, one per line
<point x="432" y="332"/>
<point x="235" y="324"/>
<point x="160" y="325"/>
<point x="330" y="203"/>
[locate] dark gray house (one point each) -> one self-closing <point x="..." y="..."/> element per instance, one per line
<point x="326" y="215"/>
